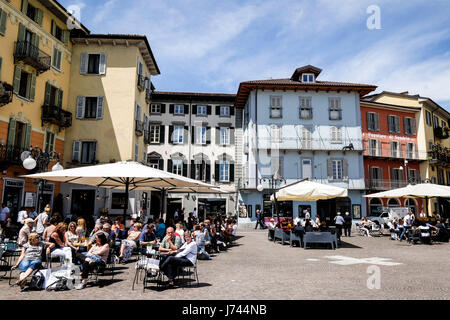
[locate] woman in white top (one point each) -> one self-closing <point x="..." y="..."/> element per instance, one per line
<point x="185" y="256"/>
<point x="180" y="231"/>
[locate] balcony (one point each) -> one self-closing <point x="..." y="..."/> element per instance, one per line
<point x="146" y="137"/>
<point x="11" y="154"/>
<point x="56" y="115"/>
<point x="141" y="82"/>
<point x="6" y="93"/>
<point x="148" y="95"/>
<point x="297" y="143"/>
<point x="441" y="132"/>
<point x="31" y="55"/>
<point x="139" y="128"/>
<point x="384" y="184"/>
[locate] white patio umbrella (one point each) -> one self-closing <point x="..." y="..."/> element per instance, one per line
<point x="421" y="190"/>
<point x="309" y="191"/>
<point x="126" y="176"/>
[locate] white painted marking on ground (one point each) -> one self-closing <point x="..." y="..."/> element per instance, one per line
<point x="312" y="260"/>
<point x="344" y="261"/>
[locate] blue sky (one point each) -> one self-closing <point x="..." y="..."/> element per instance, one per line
<point x="212" y="46"/>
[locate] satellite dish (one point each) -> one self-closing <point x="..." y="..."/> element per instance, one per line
<point x="25" y="155"/>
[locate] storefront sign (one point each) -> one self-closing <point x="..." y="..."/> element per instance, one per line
<point x="14" y="183"/>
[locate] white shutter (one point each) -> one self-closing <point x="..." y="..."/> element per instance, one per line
<point x="81" y="101"/>
<point x="84" y="63"/>
<point x="100" y="102"/>
<point x="76" y="150"/>
<point x="102" y="66"/>
<point x="379" y="151"/>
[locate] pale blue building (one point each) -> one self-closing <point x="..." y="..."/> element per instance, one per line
<point x="301" y="128"/>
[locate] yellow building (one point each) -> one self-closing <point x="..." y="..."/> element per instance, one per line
<point x="35" y="62"/>
<point x="432" y="140"/>
<point x="109" y="98"/>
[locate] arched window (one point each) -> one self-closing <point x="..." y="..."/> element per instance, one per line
<point x="375" y="206"/>
<point x="412" y="205"/>
<point x="393" y="203"/>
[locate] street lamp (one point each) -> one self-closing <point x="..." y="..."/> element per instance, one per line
<point x="37" y="158"/>
<point x="272" y="182"/>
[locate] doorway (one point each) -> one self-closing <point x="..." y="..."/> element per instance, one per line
<point x="12" y="195"/>
<point x="83" y="205"/>
<point x="172" y="205"/>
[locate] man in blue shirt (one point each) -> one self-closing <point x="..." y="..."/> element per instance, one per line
<point x="160" y="229"/>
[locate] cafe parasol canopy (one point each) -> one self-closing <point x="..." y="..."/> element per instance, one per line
<point x="126" y="176"/>
<point x="306" y="190"/>
<point x="421" y="190"/>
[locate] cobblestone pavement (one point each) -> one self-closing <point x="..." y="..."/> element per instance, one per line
<point x="256" y="268"/>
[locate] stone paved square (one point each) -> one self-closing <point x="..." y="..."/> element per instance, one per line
<point x="256" y="268"/>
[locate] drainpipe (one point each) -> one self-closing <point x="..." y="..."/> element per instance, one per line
<point x="256" y="136"/>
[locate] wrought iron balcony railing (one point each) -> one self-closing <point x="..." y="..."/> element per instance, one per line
<point x="57" y="116"/>
<point x="148" y="95"/>
<point x="10" y="154"/>
<point x="141" y="82"/>
<point x="139" y="129"/>
<point x="146" y="136"/>
<point x="32" y="55"/>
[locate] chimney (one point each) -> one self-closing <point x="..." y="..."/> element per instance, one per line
<point x="404" y="92"/>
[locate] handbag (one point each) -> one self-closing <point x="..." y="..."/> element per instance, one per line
<point x="37" y="280"/>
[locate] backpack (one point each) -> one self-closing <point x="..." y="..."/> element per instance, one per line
<point x="37" y="280"/>
<point x="61" y="284"/>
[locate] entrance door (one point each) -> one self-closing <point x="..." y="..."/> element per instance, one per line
<point x="12" y="197"/>
<point x="83" y="204"/>
<point x="172" y="205"/>
<point x="155" y="204"/>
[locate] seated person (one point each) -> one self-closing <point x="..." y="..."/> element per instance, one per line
<point x="97" y="230"/>
<point x="71" y="237"/>
<point x="199" y="237"/>
<point x="365" y="224"/>
<point x="160" y="229"/>
<point x="184" y="256"/>
<point x="147" y="237"/>
<point x="284" y="224"/>
<point x="110" y="235"/>
<point x="31" y="257"/>
<point x="128" y="245"/>
<point x="308" y="226"/>
<point x="96" y="256"/>
<point x="299" y="231"/>
<point x="25" y="231"/>
<point x="169" y="244"/>
<point x="272" y="224"/>
<point x="50" y="229"/>
<point x="60" y="248"/>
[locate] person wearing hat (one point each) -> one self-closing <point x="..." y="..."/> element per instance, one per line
<point x="25" y="231"/>
<point x="347" y="224"/>
<point x="339" y="221"/>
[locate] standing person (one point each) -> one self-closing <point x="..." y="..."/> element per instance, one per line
<point x="4" y="214"/>
<point x="81" y="227"/>
<point x="22" y="215"/>
<point x="160" y="229"/>
<point x="406" y="225"/>
<point x="317" y="221"/>
<point x="339" y="221"/>
<point x="347" y="225"/>
<point x="307" y="215"/>
<point x="258" y="220"/>
<point x="25" y="231"/>
<point x="194" y="213"/>
<point x="182" y="217"/>
<point x="412" y="218"/>
<point x="42" y="220"/>
<point x="175" y="215"/>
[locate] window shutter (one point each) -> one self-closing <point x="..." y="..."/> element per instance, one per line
<point x="11" y="132"/>
<point x="39" y="16"/>
<point x="21" y="33"/>
<point x="192" y="169"/>
<point x="160" y="164"/>
<point x="397" y="124"/>
<point x="3" y="17"/>
<point x="170" y="134"/>
<point x="17" y="76"/>
<point x="231" y="111"/>
<point x="1" y="60"/>
<point x="377" y="122"/>
<point x="76" y="150"/>
<point x="217" y="110"/>
<point x="47" y="93"/>
<point x="84" y="63"/>
<point x="185" y="169"/>
<point x="171" y="108"/>
<point x="208" y="135"/>
<point x="218" y="135"/>
<point x="193" y="134"/>
<point x="406" y="125"/>
<point x="81" y="101"/>
<point x="162" y="130"/>
<point x="60" y="98"/>
<point x="185" y="134"/>
<point x="345" y="169"/>
<point x="379" y="151"/>
<point x="100" y="102"/>
<point x="208" y="110"/>
<point x="32" y="86"/>
<point x="24" y="6"/>
<point x="330" y="170"/>
<point x="369" y="122"/>
<point x="232" y="138"/>
<point x="231" y="172"/>
<point x="163" y="108"/>
<point x="27" y="139"/>
<point x="102" y="66"/>
<point x="35" y="42"/>
<point x="53" y="30"/>
<point x="413" y="126"/>
<point x="208" y="171"/>
<point x="186" y="109"/>
<point x="194" y="109"/>
<point x="216" y="171"/>
<point x="65" y="37"/>
<point x="93" y="152"/>
<point x="169" y="165"/>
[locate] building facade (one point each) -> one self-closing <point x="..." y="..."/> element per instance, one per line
<point x="35" y="62"/>
<point x="109" y="99"/>
<point x="193" y="135"/>
<point x="391" y="155"/>
<point x="301" y="128"/>
<point x="432" y="140"/>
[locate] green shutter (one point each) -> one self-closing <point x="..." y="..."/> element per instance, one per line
<point x="17" y="75"/>
<point x="32" y="86"/>
<point x="47" y="93"/>
<point x="21" y="34"/>
<point x="3" y="17"/>
<point x="1" y="60"/>
<point x="24" y="6"/>
<point x="27" y="138"/>
<point x="11" y="132"/>
<point x="59" y="64"/>
<point x="60" y="98"/>
<point x="39" y="16"/>
<point x="53" y="31"/>
<point x="65" y="37"/>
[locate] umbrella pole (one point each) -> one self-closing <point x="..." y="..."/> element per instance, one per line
<point x="426" y="205"/>
<point x="127" y="185"/>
